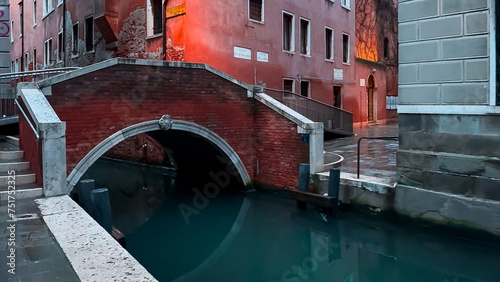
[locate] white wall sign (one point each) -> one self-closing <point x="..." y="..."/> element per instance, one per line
<point x="362" y="82"/>
<point x="338" y="74"/>
<point x="242" y="53"/>
<point x="262" y="57"/>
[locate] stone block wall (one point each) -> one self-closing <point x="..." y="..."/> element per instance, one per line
<point x="449" y="124"/>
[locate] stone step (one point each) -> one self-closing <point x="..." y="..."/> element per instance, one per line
<point x="11" y="155"/>
<point x="22" y="177"/>
<point x="6" y="166"/>
<point x="22" y="192"/>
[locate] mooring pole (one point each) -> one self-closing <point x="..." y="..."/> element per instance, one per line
<point x="334" y="183"/>
<point x="304" y="173"/>
<point x="100" y="199"/>
<point x="86" y="187"/>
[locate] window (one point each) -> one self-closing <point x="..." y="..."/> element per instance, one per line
<point x="346" y="4"/>
<point x="256" y="10"/>
<point x="16" y="65"/>
<point x="386" y="47"/>
<point x="288" y="32"/>
<point x="34" y="12"/>
<point x="26" y="62"/>
<point x="12" y="31"/>
<point x="48" y="6"/>
<point x="345" y="48"/>
<point x="89" y="34"/>
<point x="34" y="59"/>
<point x="47" y="54"/>
<point x="304" y="88"/>
<point x="59" y="2"/>
<point x="289" y="85"/>
<point x="74" y="39"/>
<point x="60" y="47"/>
<point x="12" y="66"/>
<point x="154" y="23"/>
<point x="328" y="44"/>
<point x="337" y="96"/>
<point x="305" y="37"/>
<point x="21" y="19"/>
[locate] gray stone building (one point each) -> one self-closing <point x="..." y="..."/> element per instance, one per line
<point x="449" y="113"/>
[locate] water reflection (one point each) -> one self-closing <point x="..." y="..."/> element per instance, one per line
<point x="273" y="241"/>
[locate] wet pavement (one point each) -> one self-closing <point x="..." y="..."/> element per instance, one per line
<point x="38" y="257"/>
<point x="378" y="157"/>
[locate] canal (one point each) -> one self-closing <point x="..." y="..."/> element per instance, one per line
<point x="183" y="233"/>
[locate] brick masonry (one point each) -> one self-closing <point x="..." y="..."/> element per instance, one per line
<point x="98" y="104"/>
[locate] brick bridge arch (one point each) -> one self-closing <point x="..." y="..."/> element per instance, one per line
<point x="165" y="123"/>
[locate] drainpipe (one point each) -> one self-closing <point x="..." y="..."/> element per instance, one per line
<point x="63" y="43"/>
<point x="22" y="38"/>
<point x="164" y="21"/>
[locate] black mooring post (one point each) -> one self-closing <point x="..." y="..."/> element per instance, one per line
<point x="334" y="183"/>
<point x="86" y="187"/>
<point x="102" y="214"/>
<point x="304" y="174"/>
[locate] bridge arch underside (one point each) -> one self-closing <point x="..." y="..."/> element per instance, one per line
<point x="201" y="159"/>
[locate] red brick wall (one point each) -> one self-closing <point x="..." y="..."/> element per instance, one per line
<point x="141" y="148"/>
<point x="97" y="105"/>
<point x="279" y="148"/>
<point x="30" y="146"/>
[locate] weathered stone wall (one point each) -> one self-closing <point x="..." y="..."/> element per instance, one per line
<point x="449" y="159"/>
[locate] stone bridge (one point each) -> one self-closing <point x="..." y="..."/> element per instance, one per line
<point x="199" y="116"/>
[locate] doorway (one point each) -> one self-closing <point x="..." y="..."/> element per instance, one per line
<point x="371" y="90"/>
<point x="337" y="98"/>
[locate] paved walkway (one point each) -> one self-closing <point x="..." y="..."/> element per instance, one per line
<point x="38" y="256"/>
<point x="378" y="157"/>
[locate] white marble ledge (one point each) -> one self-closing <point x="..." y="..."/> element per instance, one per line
<point x="93" y="253"/>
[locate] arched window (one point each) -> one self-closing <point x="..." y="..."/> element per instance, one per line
<point x="386" y="47"/>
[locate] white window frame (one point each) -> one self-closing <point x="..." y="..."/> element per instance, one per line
<point x="34" y="12"/>
<point x="308" y="41"/>
<point x="85" y="33"/>
<point x="59" y="2"/>
<point x="348" y="49"/>
<point x="12" y="31"/>
<point x="292" y="35"/>
<point x="47" y="54"/>
<point x="262" y="13"/>
<point x="60" y="49"/>
<point x="332" y="47"/>
<point x="346" y="4"/>
<point x="21" y="20"/>
<point x="26" y="62"/>
<point x="48" y="7"/>
<point x="16" y="65"/>
<point x="293" y="83"/>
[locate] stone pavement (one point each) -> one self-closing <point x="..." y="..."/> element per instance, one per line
<point x="38" y="256"/>
<point x="378" y="157"/>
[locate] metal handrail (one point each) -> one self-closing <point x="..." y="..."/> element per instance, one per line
<point x="27" y="119"/>
<point x="37" y="72"/>
<point x="373" y="138"/>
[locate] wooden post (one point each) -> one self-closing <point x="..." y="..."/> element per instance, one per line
<point x="100" y="199"/>
<point x="86" y="187"/>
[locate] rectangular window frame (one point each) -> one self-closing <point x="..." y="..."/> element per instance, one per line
<point x="21" y="19"/>
<point x="293" y="84"/>
<point x="346" y="4"/>
<point x="47" y="53"/>
<point x="348" y="62"/>
<point x="12" y="31"/>
<point x="307" y="40"/>
<point x="34" y="13"/>
<point x="85" y="36"/>
<point x="16" y="65"/>
<point x="26" y="62"/>
<point x="34" y="59"/>
<point x="74" y="40"/>
<point x="291" y="49"/>
<point x="308" y="88"/>
<point x="60" y="47"/>
<point x="48" y="7"/>
<point x="262" y="12"/>
<point x="59" y="2"/>
<point x="330" y="41"/>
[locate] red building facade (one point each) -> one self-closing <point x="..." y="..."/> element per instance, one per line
<point x="307" y="48"/>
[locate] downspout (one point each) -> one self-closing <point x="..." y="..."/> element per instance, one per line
<point x="164" y="21"/>
<point x="63" y="43"/>
<point x="22" y="38"/>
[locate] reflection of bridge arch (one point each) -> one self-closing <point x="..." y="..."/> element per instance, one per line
<point x="155" y="125"/>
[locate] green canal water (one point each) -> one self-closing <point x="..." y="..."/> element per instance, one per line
<point x="178" y="235"/>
